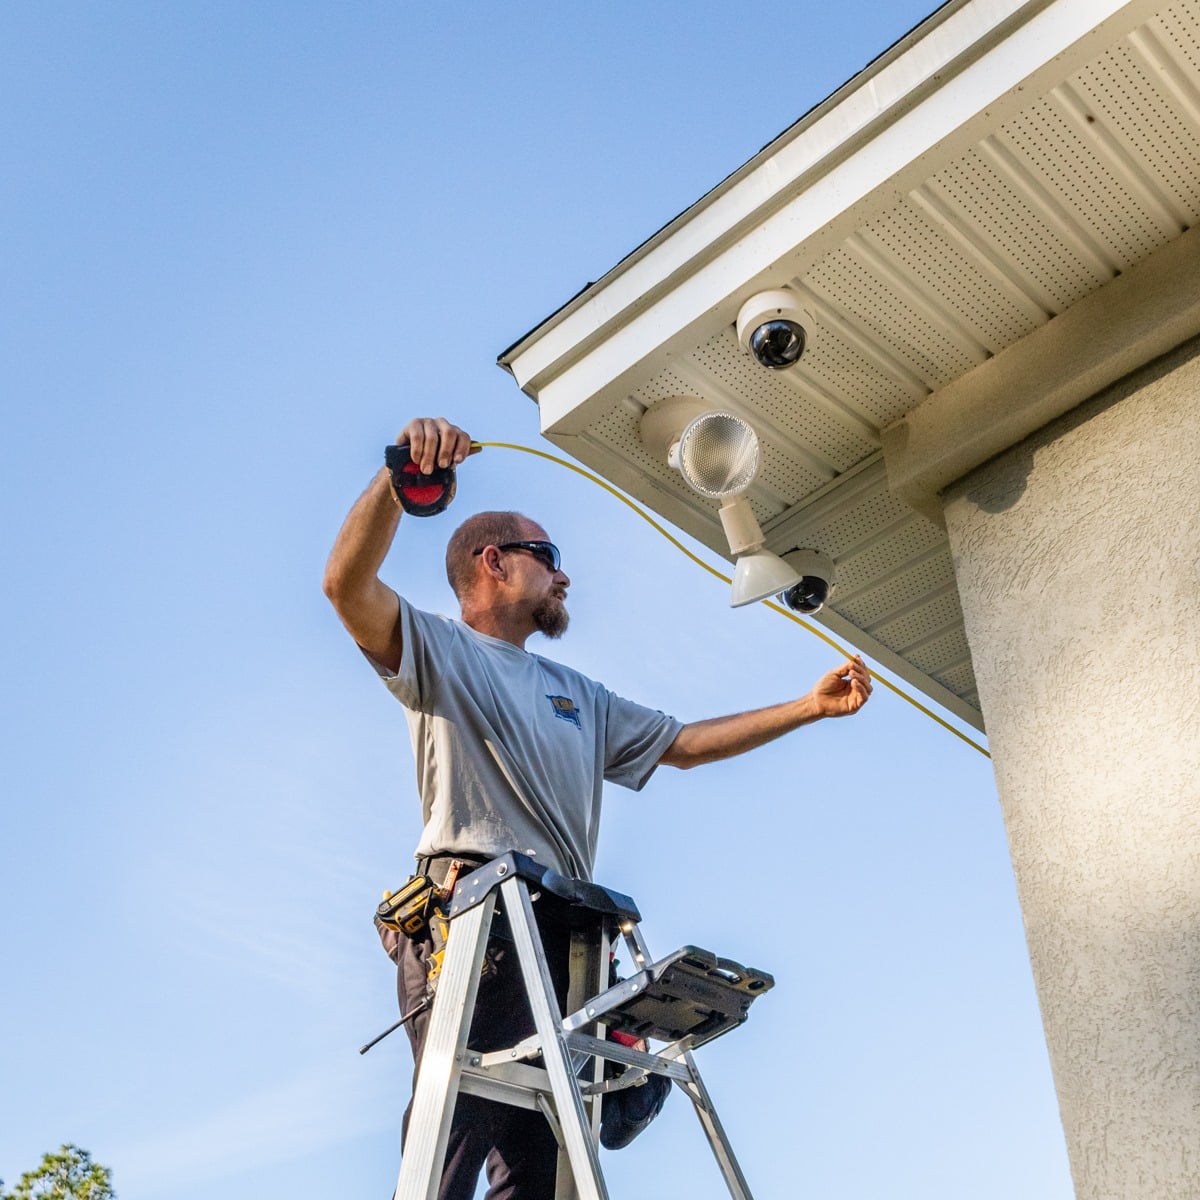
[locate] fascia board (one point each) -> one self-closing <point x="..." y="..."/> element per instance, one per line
<point x="877" y="143"/>
<point x="772" y="171"/>
<point x="760" y="177"/>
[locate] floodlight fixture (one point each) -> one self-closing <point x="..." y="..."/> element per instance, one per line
<point x="717" y="454"/>
<point x="758" y="573"/>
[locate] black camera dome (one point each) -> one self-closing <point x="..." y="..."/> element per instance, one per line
<point x="807" y="596"/>
<point x="778" y="343"/>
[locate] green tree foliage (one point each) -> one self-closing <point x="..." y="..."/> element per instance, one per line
<point x="65" y="1174"/>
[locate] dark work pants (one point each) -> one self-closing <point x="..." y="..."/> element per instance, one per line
<point x="516" y="1144"/>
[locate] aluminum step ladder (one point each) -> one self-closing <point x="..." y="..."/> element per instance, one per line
<point x="684" y="1000"/>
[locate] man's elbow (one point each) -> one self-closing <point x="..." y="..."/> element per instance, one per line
<point x="370" y="612"/>
<point x="685" y="762"/>
<point x="331" y="585"/>
<point x="347" y="601"/>
<point x="679" y="755"/>
<point x="337" y="587"/>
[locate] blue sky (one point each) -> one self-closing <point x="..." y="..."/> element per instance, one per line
<point x="242" y="243"/>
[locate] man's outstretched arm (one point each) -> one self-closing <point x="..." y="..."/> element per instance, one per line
<point x="368" y="608"/>
<point x="838" y="693"/>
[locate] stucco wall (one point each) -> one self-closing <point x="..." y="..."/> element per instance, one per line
<point x="1077" y="555"/>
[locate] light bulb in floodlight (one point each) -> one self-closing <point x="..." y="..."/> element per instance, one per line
<point x="717" y="454"/>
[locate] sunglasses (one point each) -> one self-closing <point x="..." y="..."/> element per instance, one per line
<point x="545" y="552"/>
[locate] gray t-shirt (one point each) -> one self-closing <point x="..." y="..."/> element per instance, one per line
<point x="511" y="748"/>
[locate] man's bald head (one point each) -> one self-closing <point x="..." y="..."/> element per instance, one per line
<point x="483" y="529"/>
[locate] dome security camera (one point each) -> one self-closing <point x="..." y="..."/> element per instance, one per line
<point x="817" y="573"/>
<point x="774" y="326"/>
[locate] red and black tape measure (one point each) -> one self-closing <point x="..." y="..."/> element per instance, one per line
<point x="419" y="495"/>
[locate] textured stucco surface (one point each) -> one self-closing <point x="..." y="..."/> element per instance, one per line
<point x="1077" y="554"/>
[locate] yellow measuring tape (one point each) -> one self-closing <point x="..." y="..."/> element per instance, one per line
<point x="791" y="616"/>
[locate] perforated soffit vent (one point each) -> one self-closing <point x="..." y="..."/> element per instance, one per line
<point x="1083" y="182"/>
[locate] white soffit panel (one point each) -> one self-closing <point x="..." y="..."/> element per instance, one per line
<point x="1073" y="154"/>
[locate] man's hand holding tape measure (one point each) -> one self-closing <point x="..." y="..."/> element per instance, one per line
<point x="422" y="464"/>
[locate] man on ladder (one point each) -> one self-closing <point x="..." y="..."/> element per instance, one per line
<point x="512" y="750"/>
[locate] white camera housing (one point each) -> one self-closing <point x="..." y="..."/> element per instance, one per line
<point x="774" y="327"/>
<point x="817" y="580"/>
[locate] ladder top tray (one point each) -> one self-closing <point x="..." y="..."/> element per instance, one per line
<point x="689" y="994"/>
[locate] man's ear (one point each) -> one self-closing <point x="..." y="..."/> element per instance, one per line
<point x="493" y="562"/>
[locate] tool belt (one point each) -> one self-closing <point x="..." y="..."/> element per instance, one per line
<point x="420" y="907"/>
<point x="408" y="910"/>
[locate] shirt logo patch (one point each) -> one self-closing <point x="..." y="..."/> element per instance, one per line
<point x="565" y="710"/>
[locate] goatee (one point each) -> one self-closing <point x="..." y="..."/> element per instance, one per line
<point x="551" y="617"/>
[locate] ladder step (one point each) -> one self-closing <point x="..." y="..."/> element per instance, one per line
<point x="691" y="993"/>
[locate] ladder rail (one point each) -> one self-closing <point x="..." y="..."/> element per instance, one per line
<point x="718" y="1140"/>
<point x="588" y="976"/>
<point x="438" y="1076"/>
<point x="547" y="1020"/>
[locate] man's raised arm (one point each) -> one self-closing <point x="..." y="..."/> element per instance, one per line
<point x="367" y="606"/>
<point x="838" y="693"/>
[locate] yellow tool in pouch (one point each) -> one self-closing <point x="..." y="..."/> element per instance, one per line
<point x="408" y="910"/>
